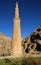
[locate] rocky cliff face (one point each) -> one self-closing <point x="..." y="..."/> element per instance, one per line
<point x="5" y="44"/>
<point x="32" y="43"/>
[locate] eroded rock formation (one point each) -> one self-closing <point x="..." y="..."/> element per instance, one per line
<point x="5" y="45"/>
<point x="32" y="44"/>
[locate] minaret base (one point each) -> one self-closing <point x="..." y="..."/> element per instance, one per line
<point x="16" y="54"/>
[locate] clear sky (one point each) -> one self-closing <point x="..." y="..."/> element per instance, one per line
<point x="30" y="16"/>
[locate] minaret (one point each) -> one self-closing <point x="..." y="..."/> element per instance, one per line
<point x="16" y="35"/>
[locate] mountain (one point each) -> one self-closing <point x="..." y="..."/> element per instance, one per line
<point x="5" y="44"/>
<point x="32" y="43"/>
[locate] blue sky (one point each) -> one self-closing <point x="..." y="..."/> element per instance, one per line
<point x="30" y="16"/>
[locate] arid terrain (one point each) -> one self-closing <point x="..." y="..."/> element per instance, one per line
<point x="30" y="45"/>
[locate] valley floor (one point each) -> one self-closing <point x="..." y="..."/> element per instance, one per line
<point x="20" y="61"/>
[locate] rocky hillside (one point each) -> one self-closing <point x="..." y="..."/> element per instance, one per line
<point x="32" y="43"/>
<point x="5" y="44"/>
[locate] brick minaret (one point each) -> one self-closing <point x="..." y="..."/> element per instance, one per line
<point x="16" y="35"/>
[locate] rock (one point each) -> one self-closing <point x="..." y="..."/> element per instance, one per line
<point x="32" y="43"/>
<point x="5" y="45"/>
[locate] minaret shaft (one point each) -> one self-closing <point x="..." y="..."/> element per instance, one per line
<point x="16" y="36"/>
